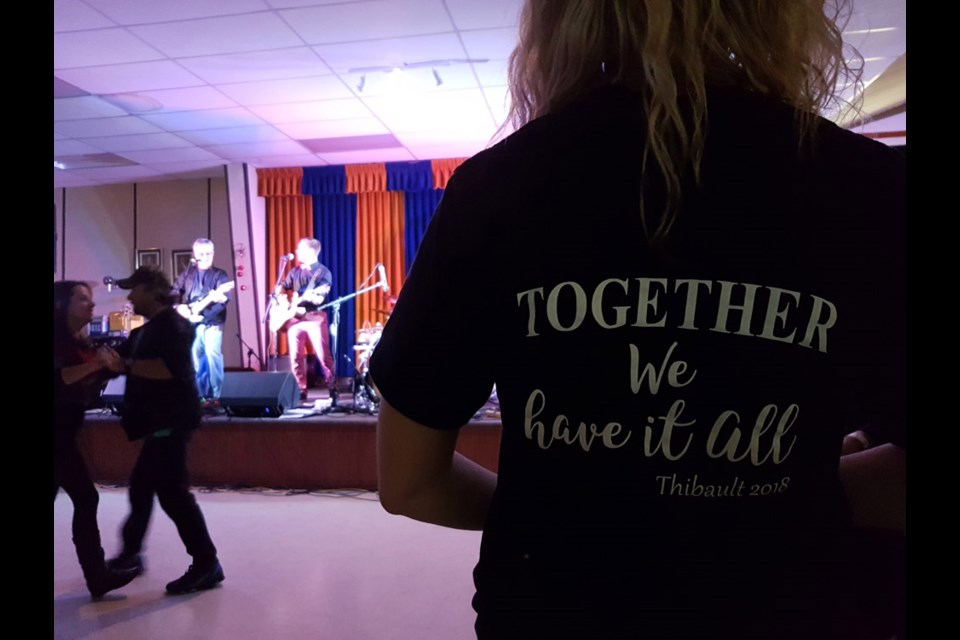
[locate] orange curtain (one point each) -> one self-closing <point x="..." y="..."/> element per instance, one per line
<point x="379" y="239"/>
<point x="279" y="182"/>
<point x="443" y="169"/>
<point x="289" y="218"/>
<point x="366" y="178"/>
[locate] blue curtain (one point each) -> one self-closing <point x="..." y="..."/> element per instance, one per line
<point x="418" y="210"/>
<point x="335" y="226"/>
<point x="409" y="176"/>
<point x="324" y="180"/>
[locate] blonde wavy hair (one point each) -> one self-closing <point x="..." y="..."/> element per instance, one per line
<point x="789" y="50"/>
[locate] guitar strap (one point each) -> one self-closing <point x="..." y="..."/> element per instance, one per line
<point x="311" y="285"/>
<point x="197" y="292"/>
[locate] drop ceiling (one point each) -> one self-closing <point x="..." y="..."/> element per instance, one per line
<point x="156" y="90"/>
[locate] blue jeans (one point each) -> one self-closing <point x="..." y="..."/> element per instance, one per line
<point x="208" y="359"/>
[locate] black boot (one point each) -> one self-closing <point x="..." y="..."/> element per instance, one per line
<point x="100" y="578"/>
<point x="103" y="580"/>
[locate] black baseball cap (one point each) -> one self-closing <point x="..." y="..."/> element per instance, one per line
<point x="148" y="275"/>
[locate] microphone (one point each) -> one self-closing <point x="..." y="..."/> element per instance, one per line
<point x="193" y="262"/>
<point x="109" y="281"/>
<point x="287" y="257"/>
<point x="383" y="277"/>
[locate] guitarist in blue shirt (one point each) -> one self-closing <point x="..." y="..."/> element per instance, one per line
<point x="309" y="283"/>
<point x="202" y="290"/>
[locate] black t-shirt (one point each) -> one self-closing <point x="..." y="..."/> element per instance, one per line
<point x="157" y="405"/>
<point x="193" y="285"/>
<point x="304" y="279"/>
<point x="672" y="419"/>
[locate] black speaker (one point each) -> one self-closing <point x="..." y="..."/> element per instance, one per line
<point x="259" y="394"/>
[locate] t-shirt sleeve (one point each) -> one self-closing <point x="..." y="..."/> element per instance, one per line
<point x="434" y="363"/>
<point x="880" y="371"/>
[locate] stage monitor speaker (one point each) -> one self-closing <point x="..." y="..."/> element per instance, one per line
<point x="259" y="394"/>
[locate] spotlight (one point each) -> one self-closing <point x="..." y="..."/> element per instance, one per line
<point x="362" y="83"/>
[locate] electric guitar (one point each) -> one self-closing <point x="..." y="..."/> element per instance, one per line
<point x="284" y="310"/>
<point x="192" y="311"/>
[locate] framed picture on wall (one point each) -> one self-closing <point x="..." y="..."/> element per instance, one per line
<point x="148" y="256"/>
<point x="180" y="261"/>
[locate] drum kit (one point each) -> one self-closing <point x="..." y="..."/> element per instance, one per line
<point x="365" y="396"/>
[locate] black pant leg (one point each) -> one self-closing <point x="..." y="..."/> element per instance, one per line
<point x="173" y="491"/>
<point x="140" y="494"/>
<point x="70" y="472"/>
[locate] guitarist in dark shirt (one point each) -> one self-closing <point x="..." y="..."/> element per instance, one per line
<point x="202" y="291"/>
<point x="309" y="282"/>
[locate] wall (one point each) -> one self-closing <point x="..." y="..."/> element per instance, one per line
<point x="98" y="230"/>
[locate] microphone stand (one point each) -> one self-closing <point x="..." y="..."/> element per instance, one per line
<point x="270" y="337"/>
<point x="334" y="335"/>
<point x="250" y="353"/>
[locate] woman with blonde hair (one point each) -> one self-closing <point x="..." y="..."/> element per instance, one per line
<point x="687" y="286"/>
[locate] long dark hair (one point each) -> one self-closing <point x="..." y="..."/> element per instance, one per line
<point x="62" y="294"/>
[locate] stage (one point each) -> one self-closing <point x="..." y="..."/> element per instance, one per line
<point x="302" y="449"/>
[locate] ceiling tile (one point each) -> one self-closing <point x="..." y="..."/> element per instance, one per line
<point x="84" y="107"/>
<point x="157" y="156"/>
<point x="493" y="44"/>
<point x="189" y="99"/>
<point x="377" y="155"/>
<point x="213" y="36"/>
<point x="94" y="160"/>
<point x="234" y="135"/>
<point x="297" y="62"/>
<point x="492" y="73"/>
<point x="137" y="76"/>
<point x="324" y="146"/>
<point x="119" y="174"/>
<point x="93" y="127"/>
<point x="208" y="119"/>
<point x="288" y="90"/>
<point x="103" y="46"/>
<point x="74" y="15"/>
<point x="391" y="52"/>
<point x="319" y="110"/>
<point x="454" y="135"/>
<point x="63" y="89"/>
<point x="289" y="4"/>
<point x="188" y="170"/>
<point x="242" y="152"/>
<point x="498" y="99"/>
<point x="332" y="128"/>
<point x="277" y="162"/>
<point x="471" y="14"/>
<point x="133" y="143"/>
<point x="420" y="80"/>
<point x="142" y="12"/>
<point x="438" y="110"/>
<point x="73" y="148"/>
<point x="352" y="22"/>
